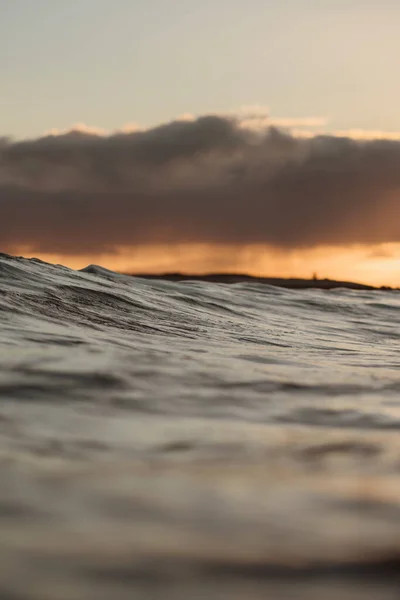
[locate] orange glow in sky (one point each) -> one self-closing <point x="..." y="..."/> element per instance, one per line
<point x="375" y="265"/>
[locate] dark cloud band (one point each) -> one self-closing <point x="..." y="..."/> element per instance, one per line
<point x="210" y="180"/>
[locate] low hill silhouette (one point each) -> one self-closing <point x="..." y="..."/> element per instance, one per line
<point x="290" y="283"/>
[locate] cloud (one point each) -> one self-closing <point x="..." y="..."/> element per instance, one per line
<point x="207" y="180"/>
<point x="369" y="134"/>
<point x="258" y="117"/>
<point x="77" y="128"/>
<point x="383" y="252"/>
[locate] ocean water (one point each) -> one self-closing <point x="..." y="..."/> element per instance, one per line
<point x="191" y="440"/>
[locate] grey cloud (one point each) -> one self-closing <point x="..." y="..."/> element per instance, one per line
<point x="207" y="180"/>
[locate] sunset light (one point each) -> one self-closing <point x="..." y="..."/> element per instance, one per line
<point x="199" y="299"/>
<point x="374" y="265"/>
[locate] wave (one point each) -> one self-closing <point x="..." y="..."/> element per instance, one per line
<point x="173" y="438"/>
<point x="193" y="340"/>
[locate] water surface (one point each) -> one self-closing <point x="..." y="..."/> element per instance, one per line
<point x="188" y="439"/>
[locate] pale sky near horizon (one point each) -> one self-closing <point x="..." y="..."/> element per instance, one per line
<point x="111" y="62"/>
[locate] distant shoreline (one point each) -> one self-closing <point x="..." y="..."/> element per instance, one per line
<point x="284" y="282"/>
<point x="294" y="283"/>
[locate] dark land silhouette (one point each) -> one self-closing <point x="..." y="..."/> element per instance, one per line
<point x="290" y="283"/>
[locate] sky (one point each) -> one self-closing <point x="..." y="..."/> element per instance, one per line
<point x="110" y="62"/>
<point x="317" y="67"/>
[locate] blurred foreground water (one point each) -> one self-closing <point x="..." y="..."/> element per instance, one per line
<point x="190" y="440"/>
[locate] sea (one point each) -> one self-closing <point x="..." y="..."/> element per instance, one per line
<point x="187" y="440"/>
